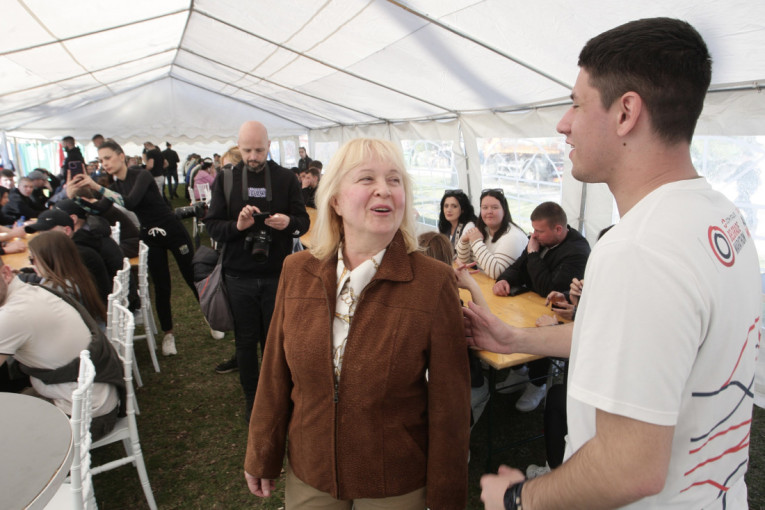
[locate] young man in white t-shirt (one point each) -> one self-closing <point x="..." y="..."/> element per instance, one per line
<point x="663" y="349"/>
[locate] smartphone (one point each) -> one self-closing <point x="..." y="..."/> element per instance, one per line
<point x="75" y="167"/>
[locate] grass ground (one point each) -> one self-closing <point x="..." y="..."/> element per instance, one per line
<point x="193" y="433"/>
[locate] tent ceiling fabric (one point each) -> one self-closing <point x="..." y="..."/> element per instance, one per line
<point x="194" y="70"/>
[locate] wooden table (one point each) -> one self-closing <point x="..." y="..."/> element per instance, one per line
<point x="36" y="446"/>
<point x="521" y="311"/>
<point x="21" y="260"/>
<point x="18" y="260"/>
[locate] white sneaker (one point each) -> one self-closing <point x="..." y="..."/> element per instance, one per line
<point x="514" y="381"/>
<point x="168" y="345"/>
<point x="534" y="471"/>
<point x="531" y="398"/>
<point x="217" y="335"/>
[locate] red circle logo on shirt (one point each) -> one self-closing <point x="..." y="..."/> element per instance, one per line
<point x="721" y="246"/>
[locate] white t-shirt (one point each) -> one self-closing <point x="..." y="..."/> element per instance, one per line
<point x="41" y="330"/>
<point x="666" y="333"/>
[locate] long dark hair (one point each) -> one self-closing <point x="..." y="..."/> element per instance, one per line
<point x="507" y="219"/>
<point x="466" y="211"/>
<point x="58" y="261"/>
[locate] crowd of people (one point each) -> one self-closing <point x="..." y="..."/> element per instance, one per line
<point x="353" y="355"/>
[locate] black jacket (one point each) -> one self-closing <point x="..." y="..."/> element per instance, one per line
<point x="96" y="234"/>
<point x="18" y="205"/>
<point x="555" y="270"/>
<point x="221" y="223"/>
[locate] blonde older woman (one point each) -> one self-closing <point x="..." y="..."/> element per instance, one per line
<point x="359" y="321"/>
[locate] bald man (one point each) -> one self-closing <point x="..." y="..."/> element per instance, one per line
<point x="257" y="221"/>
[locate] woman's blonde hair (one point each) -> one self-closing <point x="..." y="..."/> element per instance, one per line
<point x="233" y="155"/>
<point x="327" y="233"/>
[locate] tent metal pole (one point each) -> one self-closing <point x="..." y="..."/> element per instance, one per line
<point x="327" y="64"/>
<point x="582" y="206"/>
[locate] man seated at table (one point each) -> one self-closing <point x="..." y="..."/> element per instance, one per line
<point x="20" y="204"/>
<point x="94" y="232"/>
<point x="555" y="255"/>
<point x="32" y="317"/>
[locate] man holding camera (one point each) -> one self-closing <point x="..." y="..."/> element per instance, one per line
<point x="256" y="210"/>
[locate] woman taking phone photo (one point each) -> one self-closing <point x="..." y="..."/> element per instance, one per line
<point x="135" y="189"/>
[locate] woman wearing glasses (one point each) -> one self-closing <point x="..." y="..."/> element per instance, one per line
<point x="456" y="216"/>
<point x="496" y="241"/>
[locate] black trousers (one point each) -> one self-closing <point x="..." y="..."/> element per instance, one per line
<point x="171" y="179"/>
<point x="172" y="237"/>
<point x="252" y="305"/>
<point x="556" y="426"/>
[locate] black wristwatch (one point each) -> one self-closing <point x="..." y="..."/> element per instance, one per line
<point x="513" y="497"/>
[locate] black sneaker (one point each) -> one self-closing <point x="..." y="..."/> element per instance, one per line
<point x="227" y="366"/>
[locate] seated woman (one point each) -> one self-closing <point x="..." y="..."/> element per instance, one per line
<point x="438" y="246"/>
<point x="456" y="216"/>
<point x="496" y="241"/>
<point x="205" y="175"/>
<point x="57" y="262"/>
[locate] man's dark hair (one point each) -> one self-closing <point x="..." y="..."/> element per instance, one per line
<point x="97" y="135"/>
<point x="312" y="170"/>
<point x="168" y="144"/>
<point x="7" y="172"/>
<point x="315" y="164"/>
<point x="68" y="139"/>
<point x="663" y="60"/>
<point x="551" y="212"/>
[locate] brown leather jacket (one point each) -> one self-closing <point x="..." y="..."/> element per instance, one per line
<point x="385" y="430"/>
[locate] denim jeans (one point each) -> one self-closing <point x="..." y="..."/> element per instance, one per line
<point x="252" y="305"/>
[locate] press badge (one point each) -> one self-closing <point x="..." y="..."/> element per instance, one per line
<point x="256" y="192"/>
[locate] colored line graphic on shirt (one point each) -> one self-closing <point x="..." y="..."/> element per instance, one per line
<point x="746" y="392"/>
<point x="732" y="439"/>
<point x="744" y="443"/>
<point x="721" y="246"/>
<point x="721" y="433"/>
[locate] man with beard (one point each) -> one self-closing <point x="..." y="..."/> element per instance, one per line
<point x="255" y="186"/>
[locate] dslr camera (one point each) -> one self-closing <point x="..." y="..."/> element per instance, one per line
<point x="199" y="210"/>
<point x="258" y="239"/>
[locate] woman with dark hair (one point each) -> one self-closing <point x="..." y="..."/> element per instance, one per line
<point x="456" y="216"/>
<point x="205" y="175"/>
<point x="56" y="260"/>
<point x="135" y="189"/>
<point x="496" y="241"/>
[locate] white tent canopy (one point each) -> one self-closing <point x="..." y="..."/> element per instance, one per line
<point x="454" y="71"/>
<point x="184" y="70"/>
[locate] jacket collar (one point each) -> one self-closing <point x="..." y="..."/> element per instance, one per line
<point x="395" y="265"/>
